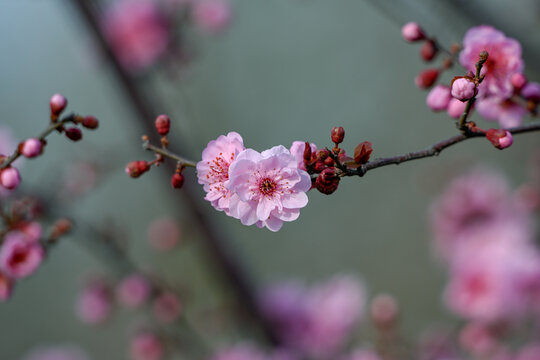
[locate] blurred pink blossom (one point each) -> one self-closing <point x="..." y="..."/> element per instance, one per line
<point x="20" y="255"/>
<point x="506" y="112"/>
<point x="318" y="320"/>
<point x="164" y="234"/>
<point x="133" y="290"/>
<point x="363" y="354"/>
<point x="211" y="16"/>
<point x="167" y="307"/>
<point x="6" y="287"/>
<point x="146" y="346"/>
<point x="137" y="32"/>
<point x="504" y="59"/>
<point x="94" y="303"/>
<point x="240" y="352"/>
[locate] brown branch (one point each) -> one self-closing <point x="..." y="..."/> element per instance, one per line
<point x="166" y="153"/>
<point x="52" y="127"/>
<point x="433" y="150"/>
<point x="226" y="263"/>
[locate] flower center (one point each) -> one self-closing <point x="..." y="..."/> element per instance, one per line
<point x="267" y="186"/>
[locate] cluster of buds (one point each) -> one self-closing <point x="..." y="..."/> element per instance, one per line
<point x="331" y="165"/>
<point x="33" y="147"/>
<point x="139" y="167"/>
<point x="412" y="32"/>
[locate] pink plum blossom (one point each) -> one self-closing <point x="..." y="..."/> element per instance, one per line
<point x="463" y="89"/>
<point x="213" y="169"/>
<point x="94" y="303"/>
<point x="318" y="320"/>
<point x="20" y="256"/>
<point x="6" y="287"/>
<point x="269" y="187"/>
<point x="167" y="307"/>
<point x="506" y="112"/>
<point x="472" y="203"/>
<point x="455" y="108"/>
<point x="529" y="352"/>
<point x="504" y="59"/>
<point x="211" y="16"/>
<point x="134" y="290"/>
<point x="164" y="234"/>
<point x="297" y="150"/>
<point x="137" y="32"/>
<point x="493" y="276"/>
<point x="531" y="91"/>
<point x="438" y="98"/>
<point x="61" y="352"/>
<point x="146" y="346"/>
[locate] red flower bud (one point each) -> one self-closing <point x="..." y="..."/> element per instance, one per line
<point x="500" y="138"/>
<point x="73" y="133"/>
<point x="319" y="166"/>
<point x="322" y="154"/>
<point x="61" y="227"/>
<point x="90" y="122"/>
<point x="428" y="51"/>
<point x="137" y="168"/>
<point x="163" y="124"/>
<point x="337" y="134"/>
<point x="177" y="180"/>
<point x="327" y="182"/>
<point x="426" y="78"/>
<point x="362" y="152"/>
<point x="58" y="103"/>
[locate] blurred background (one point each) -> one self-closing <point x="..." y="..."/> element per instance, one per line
<point x="281" y="71"/>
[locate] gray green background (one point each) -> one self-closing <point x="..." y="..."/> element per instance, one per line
<point x="285" y="70"/>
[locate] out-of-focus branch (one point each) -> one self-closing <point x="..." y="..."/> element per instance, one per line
<point x="227" y="265"/>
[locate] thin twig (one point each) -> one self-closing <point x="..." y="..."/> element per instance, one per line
<point x="162" y="151"/>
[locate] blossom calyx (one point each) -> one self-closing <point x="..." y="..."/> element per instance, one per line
<point x="500" y="138"/>
<point x="328" y="181"/>
<point x="362" y="152"/>
<point x="137" y="168"/>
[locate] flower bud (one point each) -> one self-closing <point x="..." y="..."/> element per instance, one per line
<point x="531" y="92"/>
<point x="500" y="138"/>
<point x="455" y="108"/>
<point x="137" y="168"/>
<point x="384" y="311"/>
<point x="337" y="134"/>
<point x="10" y="178"/>
<point x="463" y="89"/>
<point x="438" y="98"/>
<point x="322" y="154"/>
<point x="60" y="228"/>
<point x="90" y="122"/>
<point x="58" y="103"/>
<point x="362" y="152"/>
<point x="146" y="346"/>
<point x="307" y="154"/>
<point x="177" y="180"/>
<point x="328" y="161"/>
<point x="412" y="32"/>
<point x="327" y="182"/>
<point x="426" y="78"/>
<point x="428" y="51"/>
<point x="319" y="166"/>
<point x="73" y="133"/>
<point x="518" y="81"/>
<point x="163" y="124"/>
<point x="31" y="148"/>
